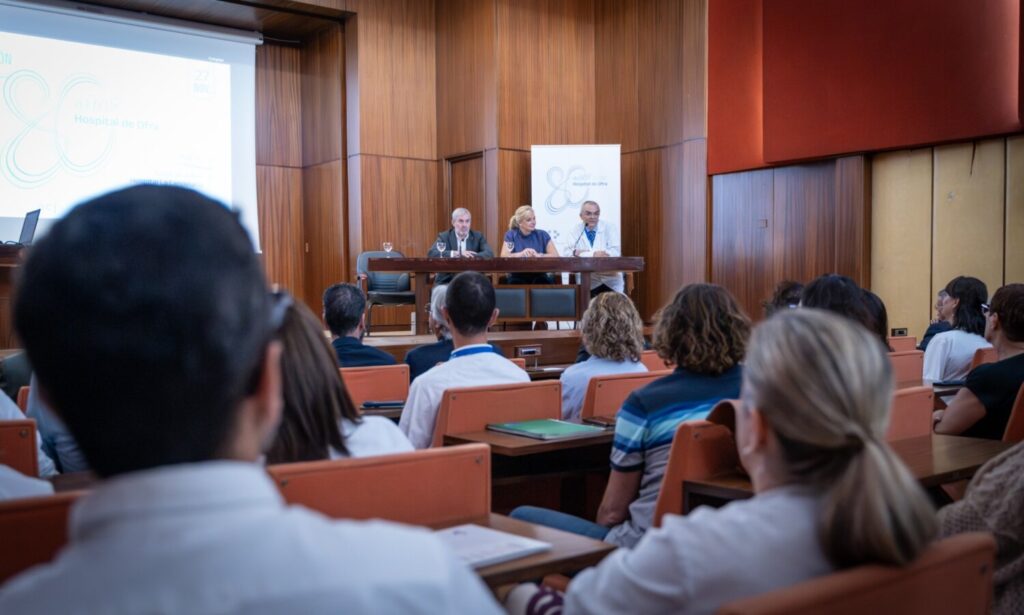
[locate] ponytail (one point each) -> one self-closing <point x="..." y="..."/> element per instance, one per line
<point x="513" y="224"/>
<point x="521" y="211"/>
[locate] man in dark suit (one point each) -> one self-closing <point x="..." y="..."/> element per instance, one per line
<point x="460" y="242"/>
<point x="344" y="312"/>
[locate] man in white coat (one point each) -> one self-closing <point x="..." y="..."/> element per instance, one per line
<point x="591" y="237"/>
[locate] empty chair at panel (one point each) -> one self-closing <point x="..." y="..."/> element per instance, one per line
<point x="469" y="409"/>
<point x="382" y="288"/>
<point x="377" y="383"/>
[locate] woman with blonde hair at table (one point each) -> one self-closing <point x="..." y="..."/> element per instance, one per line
<point x="525" y="240"/>
<point x="829" y="493"/>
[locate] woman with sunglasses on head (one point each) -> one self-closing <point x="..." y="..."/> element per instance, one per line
<point x="829" y="493"/>
<point x="948" y="355"/>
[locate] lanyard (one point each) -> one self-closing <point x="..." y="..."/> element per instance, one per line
<point x="465" y="352"/>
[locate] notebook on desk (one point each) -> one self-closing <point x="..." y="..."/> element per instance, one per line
<point x="546" y="429"/>
<point x="481" y="546"/>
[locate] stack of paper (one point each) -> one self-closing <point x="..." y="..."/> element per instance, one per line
<point x="481" y="546"/>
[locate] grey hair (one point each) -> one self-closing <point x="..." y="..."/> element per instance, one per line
<point x="437" y="296"/>
<point x="458" y="211"/>
<point x="585" y="203"/>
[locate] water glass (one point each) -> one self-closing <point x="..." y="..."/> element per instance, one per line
<point x="441" y="247"/>
<point x="388" y="246"/>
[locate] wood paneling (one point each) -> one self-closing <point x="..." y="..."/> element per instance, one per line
<point x="545" y="72"/>
<point x="616" y="40"/>
<point x="326" y="261"/>
<point x="403" y="212"/>
<point x="323" y="109"/>
<point x="968" y="205"/>
<point x="901" y="238"/>
<point x="466" y="189"/>
<point x="467" y="92"/>
<point x="1014" y="248"/>
<point x="742" y="237"/>
<point x="278" y="104"/>
<point x="695" y="44"/>
<point x="634" y="208"/>
<point x="660" y="73"/>
<point x="513" y="187"/>
<point x="690" y="254"/>
<point x="804" y="221"/>
<point x="279" y="198"/>
<point x="853" y="218"/>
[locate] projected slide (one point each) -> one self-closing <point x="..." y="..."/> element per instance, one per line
<point x="77" y="120"/>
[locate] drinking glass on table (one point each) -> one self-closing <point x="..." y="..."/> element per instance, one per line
<point x="388" y="247"/>
<point x="441" y="247"/>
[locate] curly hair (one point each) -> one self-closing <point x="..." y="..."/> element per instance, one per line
<point x="612" y="328"/>
<point x="703" y="330"/>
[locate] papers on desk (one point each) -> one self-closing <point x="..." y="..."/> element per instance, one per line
<point x="546" y="429"/>
<point x="481" y="546"/>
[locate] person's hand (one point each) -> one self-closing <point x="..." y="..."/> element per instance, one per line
<point x="529" y="252"/>
<point x="937" y="416"/>
<point x="576" y="252"/>
<point x="600" y="253"/>
<point x="468" y="254"/>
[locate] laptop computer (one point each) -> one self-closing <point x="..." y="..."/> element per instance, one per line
<point x="28" y="230"/>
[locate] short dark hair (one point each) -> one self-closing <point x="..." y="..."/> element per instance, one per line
<point x="838" y="294"/>
<point x="879" y="317"/>
<point x="970" y="293"/>
<point x="344" y="305"/>
<point x="470" y="302"/>
<point x="146" y="345"/>
<point x="703" y="330"/>
<point x="1008" y="303"/>
<point x="786" y="295"/>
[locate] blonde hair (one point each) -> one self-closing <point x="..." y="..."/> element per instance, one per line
<point x="612" y="328"/>
<point x="825" y="386"/>
<point x="703" y="330"/>
<point x="521" y="211"/>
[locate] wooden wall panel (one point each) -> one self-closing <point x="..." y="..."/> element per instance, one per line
<point x="695" y="84"/>
<point x="279" y="198"/>
<point x="323" y="109"/>
<point x="396" y="211"/>
<point x="742" y="238"/>
<point x="691" y="253"/>
<point x="513" y="187"/>
<point x="853" y="218"/>
<point x="901" y="243"/>
<point x="968" y="204"/>
<point x="545" y="72"/>
<point x="635" y="205"/>
<point x="660" y="73"/>
<point x="323" y="188"/>
<point x="1014" y="248"/>
<point x="804" y="221"/>
<point x="467" y="92"/>
<point x="466" y="179"/>
<point x="278" y="103"/>
<point x="616" y="41"/>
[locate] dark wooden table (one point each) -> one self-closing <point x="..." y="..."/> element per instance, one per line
<point x="389" y="413"/>
<point x="421" y="268"/>
<point x="509" y="445"/>
<point x="933" y="460"/>
<point x="569" y="553"/>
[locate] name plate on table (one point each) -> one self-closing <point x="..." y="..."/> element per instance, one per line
<point x="481" y="546"/>
<point x="546" y="429"/>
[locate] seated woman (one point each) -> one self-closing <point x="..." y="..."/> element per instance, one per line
<point x="839" y="294"/>
<point x="704" y="333"/>
<point x="829" y="493"/>
<point x="319" y="420"/>
<point x="949" y="354"/>
<point x="613" y="334"/>
<point x="982" y="407"/>
<point x="524" y="240"/>
<point x="879" y="316"/>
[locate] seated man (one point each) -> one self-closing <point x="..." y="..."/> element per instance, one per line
<point x="469" y="310"/>
<point x="345" y="314"/>
<point x="982" y="408"/>
<point x="422" y="358"/>
<point x="591" y="237"/>
<point x="167" y="373"/>
<point x="460" y="242"/>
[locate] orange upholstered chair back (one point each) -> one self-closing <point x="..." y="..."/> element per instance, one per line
<point x="377" y="383"/>
<point x="1015" y="425"/>
<point x="700" y="449"/>
<point x="902" y="343"/>
<point x="23" y="399"/>
<point x="984" y="355"/>
<point x="433" y="487"/>
<point x="653" y="362"/>
<point x="520" y="362"/>
<point x="952" y="576"/>
<point x="18" y="446"/>
<point x="472" y="408"/>
<point x="911" y="413"/>
<point x="32" y="530"/>
<point x="606" y="394"/>
<point x="907" y="365"/>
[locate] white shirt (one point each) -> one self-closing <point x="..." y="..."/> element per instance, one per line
<point x="949" y="354"/>
<point x="374" y="435"/>
<point x="696" y="563"/>
<point x="14" y="484"/>
<point x="216" y="537"/>
<point x="425" y="394"/>
<point x="9" y="411"/>
<point x="576" y="378"/>
<point x="607" y="239"/>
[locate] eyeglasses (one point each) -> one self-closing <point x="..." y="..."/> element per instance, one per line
<point x="985" y="309"/>
<point x="280" y="302"/>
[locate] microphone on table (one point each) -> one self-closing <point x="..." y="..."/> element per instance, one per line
<point x="577" y="242"/>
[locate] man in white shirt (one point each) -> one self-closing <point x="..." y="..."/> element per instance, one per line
<point x="469" y="311"/>
<point x="591" y="237"/>
<point x="163" y="363"/>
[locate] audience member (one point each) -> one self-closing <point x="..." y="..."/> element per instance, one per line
<point x="982" y="407"/>
<point x="319" y="420"/>
<point x="168" y="375"/>
<point x="937" y="325"/>
<point x="993" y="504"/>
<point x="614" y="336"/>
<point x="469" y="310"/>
<point x="879" y="317"/>
<point x="949" y="354"/>
<point x="345" y="315"/>
<point x="704" y="332"/>
<point x="524" y="240"/>
<point x="829" y="493"/>
<point x="839" y="294"/>
<point x="785" y="297"/>
<point x="9" y="411"/>
<point x="14" y="485"/>
<point x="15" y="372"/>
<point x="593" y="237"/>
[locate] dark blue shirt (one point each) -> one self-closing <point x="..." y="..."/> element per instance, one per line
<point x="353" y="353"/>
<point x="538" y="240"/>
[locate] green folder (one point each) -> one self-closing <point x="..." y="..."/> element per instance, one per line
<point x="547" y="429"/>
